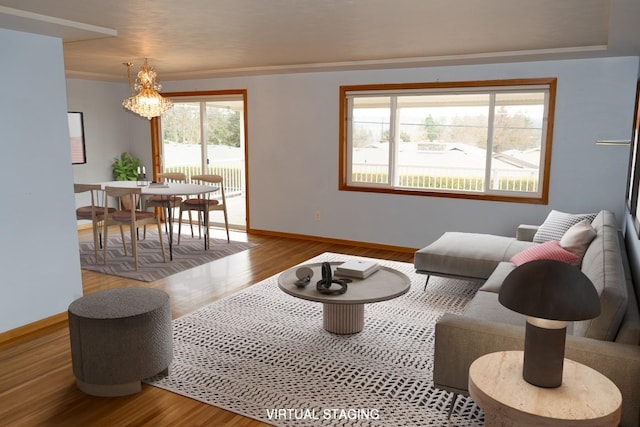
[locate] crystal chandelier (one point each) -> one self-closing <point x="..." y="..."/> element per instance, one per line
<point x="147" y="102"/>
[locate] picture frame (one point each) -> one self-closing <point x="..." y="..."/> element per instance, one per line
<point x="76" y="138"/>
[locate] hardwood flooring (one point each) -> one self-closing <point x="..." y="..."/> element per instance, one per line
<point x="37" y="386"/>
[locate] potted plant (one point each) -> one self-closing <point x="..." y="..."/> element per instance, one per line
<point x="125" y="167"/>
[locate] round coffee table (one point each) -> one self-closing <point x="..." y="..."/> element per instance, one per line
<point x="344" y="314"/>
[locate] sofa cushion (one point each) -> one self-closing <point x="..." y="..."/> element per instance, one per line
<point x="557" y="223"/>
<point x="494" y="282"/>
<point x="602" y="264"/>
<point x="472" y="255"/>
<point x="546" y="250"/>
<point x="578" y="238"/>
<point x="485" y="306"/>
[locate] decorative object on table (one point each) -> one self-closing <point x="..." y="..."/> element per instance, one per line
<point x="324" y="285"/>
<point x="550" y="293"/>
<point x="357" y="268"/>
<point x="304" y="275"/>
<point x="142" y="177"/>
<point x="147" y="102"/>
<point x="154" y="184"/>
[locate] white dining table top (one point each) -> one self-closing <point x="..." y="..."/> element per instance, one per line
<point x="168" y="189"/>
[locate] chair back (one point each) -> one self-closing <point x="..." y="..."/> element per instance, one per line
<point x="172" y="177"/>
<point x="127" y="196"/>
<point x="211" y="179"/>
<point x="87" y="212"/>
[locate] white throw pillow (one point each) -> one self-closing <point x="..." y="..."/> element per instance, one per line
<point x="557" y="223"/>
<point x="578" y="238"/>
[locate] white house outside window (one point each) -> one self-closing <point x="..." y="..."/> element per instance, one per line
<point x="486" y="140"/>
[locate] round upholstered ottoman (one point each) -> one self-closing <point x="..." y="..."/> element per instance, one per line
<point x="118" y="338"/>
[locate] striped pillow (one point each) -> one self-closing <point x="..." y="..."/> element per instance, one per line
<point x="546" y="250"/>
<point x="557" y="223"/>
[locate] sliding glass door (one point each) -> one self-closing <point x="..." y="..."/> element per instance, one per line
<point x="206" y="134"/>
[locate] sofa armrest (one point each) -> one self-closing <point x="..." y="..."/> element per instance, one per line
<point x="459" y="340"/>
<point x="525" y="232"/>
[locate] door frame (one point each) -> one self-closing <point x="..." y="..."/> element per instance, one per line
<point x="155" y="137"/>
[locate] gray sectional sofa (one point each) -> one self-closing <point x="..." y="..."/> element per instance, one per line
<point x="610" y="343"/>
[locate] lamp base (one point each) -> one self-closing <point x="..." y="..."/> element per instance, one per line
<point x="544" y="352"/>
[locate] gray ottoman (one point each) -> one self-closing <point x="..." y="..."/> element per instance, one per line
<point x="119" y="337"/>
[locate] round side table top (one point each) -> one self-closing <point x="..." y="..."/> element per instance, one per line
<point x="382" y="285"/>
<point x="585" y="398"/>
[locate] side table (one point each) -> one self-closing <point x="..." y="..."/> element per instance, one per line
<point x="585" y="398"/>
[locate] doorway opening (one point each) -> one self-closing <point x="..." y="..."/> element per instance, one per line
<point x="205" y="133"/>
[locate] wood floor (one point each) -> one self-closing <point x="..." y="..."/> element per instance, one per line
<point x="37" y="386"/>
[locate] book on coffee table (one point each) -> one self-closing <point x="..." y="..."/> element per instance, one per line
<point x="359" y="269"/>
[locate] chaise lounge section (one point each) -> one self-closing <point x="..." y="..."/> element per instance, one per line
<point x="610" y="343"/>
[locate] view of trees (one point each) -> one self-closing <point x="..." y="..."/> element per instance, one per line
<point x="513" y="129"/>
<point x="181" y="125"/>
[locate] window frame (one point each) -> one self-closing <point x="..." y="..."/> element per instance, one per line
<point x="490" y="86"/>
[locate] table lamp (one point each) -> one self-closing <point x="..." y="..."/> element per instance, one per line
<point x="550" y="293"/>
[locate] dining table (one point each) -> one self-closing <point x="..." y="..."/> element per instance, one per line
<point x="166" y="191"/>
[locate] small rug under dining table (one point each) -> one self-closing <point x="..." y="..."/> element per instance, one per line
<point x="188" y="254"/>
<point x="263" y="354"/>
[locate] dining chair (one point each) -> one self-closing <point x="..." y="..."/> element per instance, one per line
<point x="203" y="205"/>
<point x="92" y="212"/>
<point x="165" y="202"/>
<point x="132" y="217"/>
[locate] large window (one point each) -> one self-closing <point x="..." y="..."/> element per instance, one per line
<point x="487" y="140"/>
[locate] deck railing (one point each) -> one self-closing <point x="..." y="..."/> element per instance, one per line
<point x="232" y="172"/>
<point x="439" y="178"/>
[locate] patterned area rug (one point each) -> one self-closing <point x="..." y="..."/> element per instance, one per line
<point x="190" y="253"/>
<point x="264" y="354"/>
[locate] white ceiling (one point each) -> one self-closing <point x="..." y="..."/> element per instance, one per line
<point x="208" y="38"/>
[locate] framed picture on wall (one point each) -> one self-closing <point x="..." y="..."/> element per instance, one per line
<point x="76" y="138"/>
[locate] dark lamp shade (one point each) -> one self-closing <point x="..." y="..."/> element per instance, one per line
<point x="550" y="289"/>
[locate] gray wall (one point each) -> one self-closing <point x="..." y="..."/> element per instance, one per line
<point x="109" y="129"/>
<point x="293" y="152"/>
<point x="293" y="149"/>
<point x="39" y="260"/>
<point x="293" y="155"/>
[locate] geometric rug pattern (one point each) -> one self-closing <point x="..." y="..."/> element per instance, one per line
<point x="188" y="254"/>
<point x="263" y="354"/>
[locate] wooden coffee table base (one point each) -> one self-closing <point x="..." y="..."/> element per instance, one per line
<point x="343" y="318"/>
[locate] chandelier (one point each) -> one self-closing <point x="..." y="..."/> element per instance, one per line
<point x="147" y="102"/>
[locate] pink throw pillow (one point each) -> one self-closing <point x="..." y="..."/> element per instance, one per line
<point x="547" y="250"/>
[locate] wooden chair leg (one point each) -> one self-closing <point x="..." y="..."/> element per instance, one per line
<point x="164" y="255"/>
<point x="179" y="224"/>
<point x="124" y="243"/>
<point x="134" y="245"/>
<point x="226" y="223"/>
<point x="104" y="246"/>
<point x="95" y="240"/>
